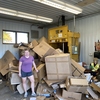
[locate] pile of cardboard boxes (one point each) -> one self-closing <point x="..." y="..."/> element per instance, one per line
<point x="59" y="76"/>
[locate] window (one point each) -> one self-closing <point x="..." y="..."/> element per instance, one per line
<point x="12" y="37"/>
<point x="22" y="37"/>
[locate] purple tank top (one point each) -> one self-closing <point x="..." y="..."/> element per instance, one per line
<point x="26" y="63"/>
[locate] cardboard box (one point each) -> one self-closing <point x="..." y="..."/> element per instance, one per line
<point x="33" y="44"/>
<point x="44" y="90"/>
<point x="4" y="70"/>
<point x="50" y="82"/>
<point x="78" y="66"/>
<point x="5" y="60"/>
<point x="43" y="49"/>
<point x="40" y="98"/>
<point x="58" y="51"/>
<point x="77" y="69"/>
<point x="76" y="85"/>
<point x="58" y="66"/>
<point x="80" y="82"/>
<point x="71" y="95"/>
<point x="42" y="72"/>
<point x="42" y="39"/>
<point x="22" y="47"/>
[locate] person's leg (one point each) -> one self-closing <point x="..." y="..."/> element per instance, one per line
<point x="24" y="83"/>
<point x="24" y="86"/>
<point x="31" y="78"/>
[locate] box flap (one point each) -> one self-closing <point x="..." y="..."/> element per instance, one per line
<point x="71" y="95"/>
<point x="91" y="92"/>
<point x="42" y="39"/>
<point x="5" y="60"/>
<point x="78" y="66"/>
<point x="76" y="81"/>
<point x="42" y="72"/>
<point x="95" y="87"/>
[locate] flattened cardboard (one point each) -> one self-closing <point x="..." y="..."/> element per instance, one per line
<point x="5" y="60"/>
<point x="43" y="49"/>
<point x="50" y="82"/>
<point x="20" y="87"/>
<point x="71" y="95"/>
<point x="91" y="92"/>
<point x="40" y="98"/>
<point x="43" y="89"/>
<point x="95" y="87"/>
<point x="4" y="70"/>
<point x="15" y="79"/>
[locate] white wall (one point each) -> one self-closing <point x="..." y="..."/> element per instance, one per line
<point x="15" y="26"/>
<point x="89" y="29"/>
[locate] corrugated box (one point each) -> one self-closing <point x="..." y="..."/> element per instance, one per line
<point x="33" y="44"/>
<point x="50" y="82"/>
<point x="78" y="66"/>
<point x="76" y="85"/>
<point x="22" y="47"/>
<point x="43" y="49"/>
<point x="58" y="51"/>
<point x="71" y="95"/>
<point x="5" y="60"/>
<point x="80" y="82"/>
<point x="42" y="39"/>
<point x="42" y="72"/>
<point x="44" y="90"/>
<point x="4" y="70"/>
<point x="77" y="69"/>
<point x="58" y="66"/>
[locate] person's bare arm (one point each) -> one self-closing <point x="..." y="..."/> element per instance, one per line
<point x="20" y="64"/>
<point x="35" y="66"/>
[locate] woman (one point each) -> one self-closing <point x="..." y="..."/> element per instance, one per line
<point x="25" y="71"/>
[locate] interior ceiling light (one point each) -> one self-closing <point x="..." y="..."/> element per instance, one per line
<point x="61" y="5"/>
<point x="24" y="15"/>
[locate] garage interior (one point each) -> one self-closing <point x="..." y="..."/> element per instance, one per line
<point x="62" y="36"/>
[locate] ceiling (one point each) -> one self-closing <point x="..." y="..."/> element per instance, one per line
<point x="32" y="7"/>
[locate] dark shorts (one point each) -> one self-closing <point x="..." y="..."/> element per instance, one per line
<point x="26" y="74"/>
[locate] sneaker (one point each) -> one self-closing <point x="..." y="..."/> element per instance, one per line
<point x="25" y="95"/>
<point x="33" y="94"/>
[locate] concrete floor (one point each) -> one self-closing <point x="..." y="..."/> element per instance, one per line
<point x="7" y="94"/>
